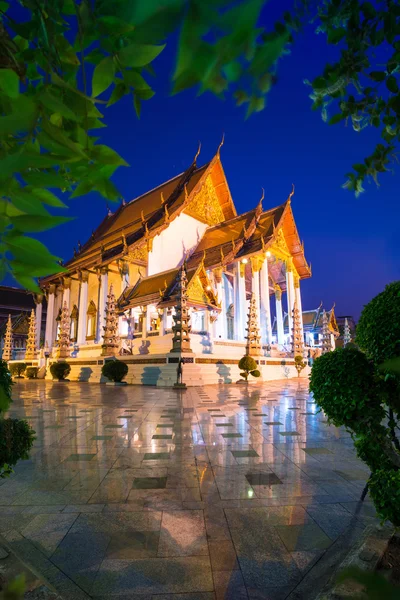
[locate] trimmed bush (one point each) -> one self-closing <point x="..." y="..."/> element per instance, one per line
<point x="16" y="369"/>
<point x="31" y="372"/>
<point x="60" y="370"/>
<point x="343" y="384"/>
<point x="114" y="370"/>
<point x="6" y="384"/>
<point x="384" y="487"/>
<point x="299" y="364"/>
<point x="378" y="330"/>
<point x="16" y="439"/>
<point x="248" y="366"/>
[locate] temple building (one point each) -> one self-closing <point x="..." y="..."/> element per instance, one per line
<point x="312" y="327"/>
<point x="191" y="223"/>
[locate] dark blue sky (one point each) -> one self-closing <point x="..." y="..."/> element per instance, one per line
<point x="351" y="243"/>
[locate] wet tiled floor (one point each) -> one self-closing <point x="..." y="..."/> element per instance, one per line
<point x="215" y="493"/>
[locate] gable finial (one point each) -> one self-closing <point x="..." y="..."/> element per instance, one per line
<point x="291" y="193"/>
<point x="142" y="217"/>
<point x="196" y="156"/>
<point x="259" y="207"/>
<point x="221" y="144"/>
<point x="162" y="198"/>
<point x="166" y="214"/>
<point x="186" y="192"/>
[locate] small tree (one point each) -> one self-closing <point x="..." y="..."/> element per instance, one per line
<point x="60" y="370"/>
<point x="31" y="372"/>
<point x="299" y="364"/>
<point x="17" y="369"/>
<point x="114" y="370"/>
<point x="248" y="366"/>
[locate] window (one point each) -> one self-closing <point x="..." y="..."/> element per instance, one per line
<point x="91" y="321"/>
<point x="73" y="332"/>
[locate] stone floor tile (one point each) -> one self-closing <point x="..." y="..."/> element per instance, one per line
<point x="183" y="534"/>
<point x="229" y="585"/>
<point x="303" y="537"/>
<point x="154" y="575"/>
<point x="47" y="531"/>
<point x="149" y="483"/>
<point x="135" y="544"/>
<point x="223" y="556"/>
<point x="194" y="596"/>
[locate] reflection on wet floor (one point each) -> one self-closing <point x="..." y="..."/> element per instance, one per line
<point x="217" y="492"/>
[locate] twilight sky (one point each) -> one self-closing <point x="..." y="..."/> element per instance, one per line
<point x="352" y="243"/>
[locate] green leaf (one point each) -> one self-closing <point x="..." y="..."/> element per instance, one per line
<point x="22" y="118"/>
<point x="139" y="55"/>
<point x="34" y="223"/>
<point x="136" y="80"/>
<point x="9" y="82"/>
<point x="27" y="282"/>
<point x="45" y="179"/>
<point x="30" y="251"/>
<point x="56" y="105"/>
<point x="107" y="155"/>
<point x="47" y="197"/>
<point x="137" y="105"/>
<point x="391" y="84"/>
<point x="378" y="75"/>
<point x="120" y="90"/>
<point x="336" y="119"/>
<point x="144" y="94"/>
<point x="103" y="76"/>
<point x="335" y="35"/>
<point x="233" y="70"/>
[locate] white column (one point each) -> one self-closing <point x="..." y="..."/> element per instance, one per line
<point x="255" y="285"/>
<point x="240" y="302"/>
<point x="144" y="322"/>
<point x="83" y="306"/>
<point x="299" y="305"/>
<point x="290" y="294"/>
<point x="102" y="303"/>
<point x="124" y="272"/>
<point x="50" y="316"/>
<point x="66" y="291"/>
<point x="165" y="320"/>
<point x="38" y="315"/>
<point x="279" y="316"/>
<point x="266" y="326"/>
<point x="221" y="321"/>
<point x="148" y="319"/>
<point x="57" y="307"/>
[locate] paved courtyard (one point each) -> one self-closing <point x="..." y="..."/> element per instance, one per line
<point x="221" y="492"/>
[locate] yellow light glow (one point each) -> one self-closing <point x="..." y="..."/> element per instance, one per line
<point x="208" y="288"/>
<point x="268" y="253"/>
<point x="250" y="493"/>
<point x="244" y="261"/>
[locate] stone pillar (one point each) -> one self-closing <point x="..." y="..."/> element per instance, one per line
<point x="240" y="302"/>
<point x="221" y="321"/>
<point x="103" y="279"/>
<point x="124" y="272"/>
<point x="66" y="291"/>
<point x="148" y="319"/>
<point x="83" y="306"/>
<point x="279" y="316"/>
<point x="50" y="316"/>
<point x="39" y="309"/>
<point x="165" y="320"/>
<point x="256" y="264"/>
<point x="299" y="305"/>
<point x="290" y="293"/>
<point x="265" y="307"/>
<point x="144" y="322"/>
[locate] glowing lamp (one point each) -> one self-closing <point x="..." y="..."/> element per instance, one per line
<point x="268" y="253"/>
<point x="208" y="288"/>
<point x="244" y="261"/>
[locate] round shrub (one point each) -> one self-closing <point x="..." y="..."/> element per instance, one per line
<point x="384" y="488"/>
<point x="31" y="372"/>
<point x="370" y="450"/>
<point x="248" y="366"/>
<point x="343" y="385"/>
<point x="16" y="369"/>
<point x="60" y="370"/>
<point x="256" y="373"/>
<point x="114" y="370"/>
<point x="16" y="439"/>
<point x="378" y="330"/>
<point x="6" y="384"/>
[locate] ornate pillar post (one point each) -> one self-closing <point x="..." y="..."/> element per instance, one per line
<point x="50" y="316"/>
<point x="279" y="316"/>
<point x="144" y="322"/>
<point x="165" y="319"/>
<point x="256" y="264"/>
<point x="265" y="308"/>
<point x="124" y="272"/>
<point x="103" y="280"/>
<point x="240" y="302"/>
<point x="83" y="306"/>
<point x="66" y="291"/>
<point x="38" y="298"/>
<point x="221" y="321"/>
<point x="299" y="305"/>
<point x="290" y="293"/>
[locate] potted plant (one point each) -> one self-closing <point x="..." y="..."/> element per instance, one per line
<point x="115" y="371"/>
<point x="248" y="366"/>
<point x="60" y="370"/>
<point x="16" y="369"/>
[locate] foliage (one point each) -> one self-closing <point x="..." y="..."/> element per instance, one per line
<point x="114" y="370"/>
<point x="378" y="331"/>
<point x="15" y="590"/>
<point x="299" y="364"/>
<point x="384" y="488"/>
<point x="16" y="439"/>
<point x="17" y="369"/>
<point x="370" y="450"/>
<point x="343" y="384"/>
<point x="362" y="87"/>
<point x="31" y="372"/>
<point x="248" y="366"/>
<point x="6" y="384"/>
<point x="375" y="585"/>
<point x="60" y="370"/>
<point x="63" y="64"/>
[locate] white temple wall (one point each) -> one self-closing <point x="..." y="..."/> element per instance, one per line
<point x="170" y="247"/>
<point x="74" y="295"/>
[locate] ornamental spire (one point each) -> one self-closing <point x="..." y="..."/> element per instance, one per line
<point x="326" y="343"/>
<point x="30" y="353"/>
<point x="181" y="327"/>
<point x="7" y="349"/>
<point x="63" y="338"/>
<point x="253" y="346"/>
<point x="297" y="338"/>
<point x="346" y="333"/>
<point x="110" y="338"/>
